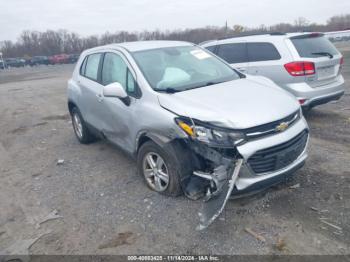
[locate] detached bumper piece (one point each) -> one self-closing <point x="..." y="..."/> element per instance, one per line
<point x="323" y="100"/>
<point x="215" y="201"/>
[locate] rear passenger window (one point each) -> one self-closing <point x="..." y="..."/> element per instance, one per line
<point x="91" y="69"/>
<point x="233" y="53"/>
<point x="262" y="52"/>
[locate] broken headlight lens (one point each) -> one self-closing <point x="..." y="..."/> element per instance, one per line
<point x="212" y="136"/>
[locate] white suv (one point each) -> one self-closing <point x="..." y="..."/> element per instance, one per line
<point x="305" y="64"/>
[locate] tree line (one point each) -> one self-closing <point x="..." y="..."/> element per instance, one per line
<point x="50" y="42"/>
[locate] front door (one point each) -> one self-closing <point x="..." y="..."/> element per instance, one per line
<point x="117" y="114"/>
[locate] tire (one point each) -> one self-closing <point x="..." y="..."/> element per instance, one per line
<point x="176" y="169"/>
<point x="82" y="132"/>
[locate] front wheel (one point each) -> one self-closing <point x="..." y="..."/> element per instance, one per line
<point x="161" y="168"/>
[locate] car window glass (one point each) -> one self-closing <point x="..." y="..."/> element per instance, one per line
<point x="82" y="68"/>
<point x="131" y="85"/>
<point x="262" y="52"/>
<point x="211" y="48"/>
<point x="233" y="53"/>
<point x="182" y="68"/>
<point x="313" y="46"/>
<point x="114" y="70"/>
<point x="91" y="70"/>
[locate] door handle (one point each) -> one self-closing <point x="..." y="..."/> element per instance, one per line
<point x="242" y="69"/>
<point x="99" y="97"/>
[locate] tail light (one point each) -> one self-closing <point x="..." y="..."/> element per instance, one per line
<point x="300" y="68"/>
<point x="301" y="101"/>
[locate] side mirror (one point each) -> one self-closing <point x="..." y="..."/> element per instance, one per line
<point x="114" y="90"/>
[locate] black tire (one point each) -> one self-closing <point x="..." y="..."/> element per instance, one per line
<point x="178" y="168"/>
<point x="86" y="136"/>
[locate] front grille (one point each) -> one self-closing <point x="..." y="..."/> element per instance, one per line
<point x="270" y="128"/>
<point x="280" y="156"/>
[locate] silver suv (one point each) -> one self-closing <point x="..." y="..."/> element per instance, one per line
<point x="305" y="64"/>
<point x="192" y="122"/>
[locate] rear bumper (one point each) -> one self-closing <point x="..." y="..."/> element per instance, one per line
<point x="322" y="100"/>
<point x="315" y="96"/>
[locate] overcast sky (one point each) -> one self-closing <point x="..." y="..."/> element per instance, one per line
<point x="98" y="16"/>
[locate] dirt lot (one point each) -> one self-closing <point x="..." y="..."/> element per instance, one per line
<point x="106" y="208"/>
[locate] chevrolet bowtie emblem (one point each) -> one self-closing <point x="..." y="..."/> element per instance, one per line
<point x="282" y="126"/>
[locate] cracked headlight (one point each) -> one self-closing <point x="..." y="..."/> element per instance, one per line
<point x="213" y="136"/>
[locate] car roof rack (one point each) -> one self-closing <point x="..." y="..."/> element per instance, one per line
<point x="251" y="34"/>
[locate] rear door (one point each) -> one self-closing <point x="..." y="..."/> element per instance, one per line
<point x="318" y="49"/>
<point x="264" y="59"/>
<point x="235" y="54"/>
<point x="91" y="89"/>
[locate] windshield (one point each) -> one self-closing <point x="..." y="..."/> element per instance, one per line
<point x="182" y="68"/>
<point x="314" y="46"/>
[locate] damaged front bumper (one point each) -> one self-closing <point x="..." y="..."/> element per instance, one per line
<point x="235" y="174"/>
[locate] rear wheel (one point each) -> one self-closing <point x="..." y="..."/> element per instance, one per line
<point x="80" y="128"/>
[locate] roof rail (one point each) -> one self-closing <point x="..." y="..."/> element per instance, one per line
<point x="251" y="34"/>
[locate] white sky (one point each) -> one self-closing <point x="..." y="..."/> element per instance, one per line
<point x="88" y="17"/>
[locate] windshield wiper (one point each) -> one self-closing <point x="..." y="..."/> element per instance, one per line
<point x="168" y="90"/>
<point x="206" y="84"/>
<point x="323" y="54"/>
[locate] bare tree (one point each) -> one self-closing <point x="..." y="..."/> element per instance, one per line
<point x="51" y="42"/>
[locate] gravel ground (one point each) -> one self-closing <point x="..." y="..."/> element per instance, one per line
<point x="106" y="208"/>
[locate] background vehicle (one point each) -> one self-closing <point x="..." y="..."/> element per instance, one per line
<point x="178" y="109"/>
<point x="39" y="60"/>
<point x="305" y="64"/>
<point x="59" y="59"/>
<point x="2" y="64"/>
<point x="73" y="58"/>
<point x="15" y="62"/>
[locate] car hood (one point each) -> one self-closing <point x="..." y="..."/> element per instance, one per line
<point x="239" y="104"/>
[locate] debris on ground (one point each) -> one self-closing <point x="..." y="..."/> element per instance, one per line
<point x="60" y="161"/>
<point x="280" y="244"/>
<point x="124" y="238"/>
<point x="254" y="234"/>
<point x="314" y="209"/>
<point x="19" y="248"/>
<point x="295" y="186"/>
<point x="53" y="215"/>
<point x="330" y="224"/>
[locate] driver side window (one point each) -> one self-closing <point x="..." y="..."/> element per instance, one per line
<point x="114" y="69"/>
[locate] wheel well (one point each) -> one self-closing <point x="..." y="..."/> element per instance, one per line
<point x="71" y="105"/>
<point x="143" y="139"/>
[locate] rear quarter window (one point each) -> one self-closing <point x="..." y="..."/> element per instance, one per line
<point x="233" y="53"/>
<point x="308" y="46"/>
<point x="262" y="52"/>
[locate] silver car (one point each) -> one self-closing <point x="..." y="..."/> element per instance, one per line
<point x="305" y="64"/>
<point x="194" y="124"/>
